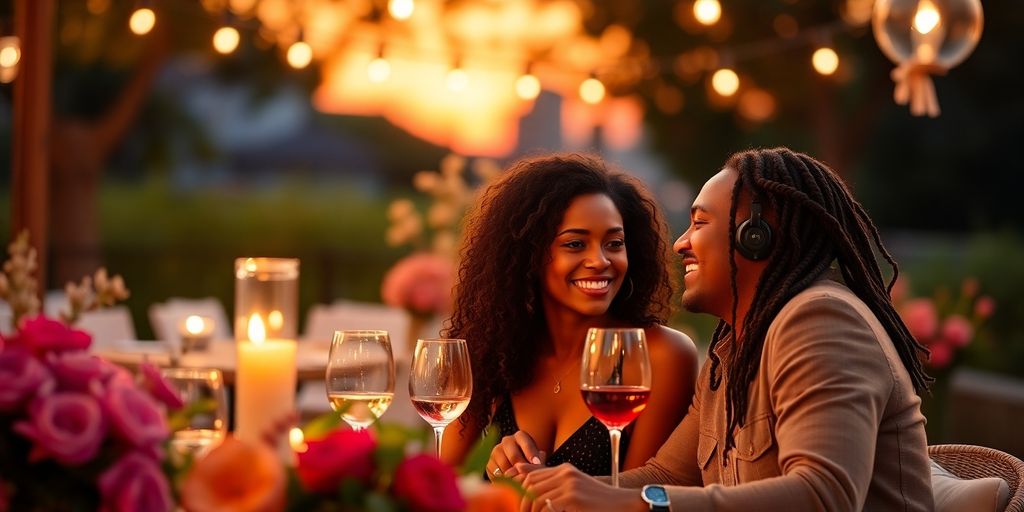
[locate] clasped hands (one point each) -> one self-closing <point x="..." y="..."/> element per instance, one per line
<point x="555" y="489"/>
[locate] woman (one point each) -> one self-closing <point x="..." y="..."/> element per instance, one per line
<point x="557" y="245"/>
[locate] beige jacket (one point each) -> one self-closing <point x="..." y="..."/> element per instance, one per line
<point x="833" y="422"/>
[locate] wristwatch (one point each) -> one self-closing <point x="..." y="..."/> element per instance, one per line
<point x="656" y="497"/>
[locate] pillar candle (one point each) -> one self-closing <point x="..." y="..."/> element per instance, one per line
<point x="265" y="388"/>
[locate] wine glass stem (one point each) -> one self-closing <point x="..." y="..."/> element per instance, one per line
<point x="616" y="434"/>
<point x="438" y="434"/>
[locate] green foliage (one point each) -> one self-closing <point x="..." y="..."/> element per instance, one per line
<point x="168" y="242"/>
<point x="476" y="461"/>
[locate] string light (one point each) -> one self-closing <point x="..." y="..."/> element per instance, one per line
<point x="707" y="12"/>
<point x="401" y="9"/>
<point x="725" y="82"/>
<point x="142" y="21"/>
<point x="528" y="86"/>
<point x="378" y="70"/>
<point x="10" y="52"/>
<point x="299" y="54"/>
<point x="225" y="40"/>
<point x="10" y="55"/>
<point x="457" y="80"/>
<point x="825" y="60"/>
<point x="592" y="91"/>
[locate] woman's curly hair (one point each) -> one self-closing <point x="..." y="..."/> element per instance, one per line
<point x="505" y="247"/>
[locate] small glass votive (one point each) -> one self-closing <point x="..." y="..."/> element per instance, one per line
<point x="267" y="291"/>
<point x="195" y="332"/>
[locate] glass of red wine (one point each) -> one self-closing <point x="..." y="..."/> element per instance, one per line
<point x="615" y="379"/>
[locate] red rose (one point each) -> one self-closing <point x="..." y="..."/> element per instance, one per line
<point x="342" y="454"/>
<point x="40" y="335"/>
<point x="427" y="485"/>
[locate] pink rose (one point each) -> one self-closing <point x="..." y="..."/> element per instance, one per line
<point x="159" y="388"/>
<point x="342" y="454"/>
<point x="427" y="485"/>
<point x="984" y="307"/>
<point x="942" y="355"/>
<point x="921" y="318"/>
<point x="66" y="426"/>
<point x="134" y="483"/>
<point x="75" y="370"/>
<point x="957" y="331"/>
<point x="40" y="334"/>
<point x="134" y="415"/>
<point x="421" y="282"/>
<point x="21" y="377"/>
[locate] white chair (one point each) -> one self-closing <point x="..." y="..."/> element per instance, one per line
<point x="108" y="326"/>
<point x="166" y="317"/>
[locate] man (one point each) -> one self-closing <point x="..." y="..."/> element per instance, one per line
<point x="807" y="400"/>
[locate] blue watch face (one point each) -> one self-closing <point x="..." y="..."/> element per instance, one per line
<point x="656" y="494"/>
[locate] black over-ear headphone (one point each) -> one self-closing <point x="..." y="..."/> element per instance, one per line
<point x="754" y="237"/>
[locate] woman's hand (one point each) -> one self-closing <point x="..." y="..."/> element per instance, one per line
<point x="565" y="488"/>
<point x="518" y="448"/>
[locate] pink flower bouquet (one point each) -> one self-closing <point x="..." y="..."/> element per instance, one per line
<point x="420" y="283"/>
<point x="77" y="432"/>
<point x="944" y="323"/>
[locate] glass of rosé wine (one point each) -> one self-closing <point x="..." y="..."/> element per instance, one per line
<point x="615" y="379"/>
<point x="440" y="383"/>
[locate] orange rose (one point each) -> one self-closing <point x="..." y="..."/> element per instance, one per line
<point x="237" y="476"/>
<point x="493" y="498"/>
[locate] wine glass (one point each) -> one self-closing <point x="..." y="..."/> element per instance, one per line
<point x="202" y="422"/>
<point x="360" y="376"/>
<point x="440" y="383"/>
<point x="615" y="379"/>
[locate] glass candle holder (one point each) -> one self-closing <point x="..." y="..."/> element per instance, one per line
<point x="267" y="288"/>
<point x="195" y="332"/>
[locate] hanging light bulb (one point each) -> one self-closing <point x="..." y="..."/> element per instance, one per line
<point x="725" y="82"/>
<point x="592" y="91"/>
<point x="401" y="9"/>
<point x="142" y="21"/>
<point x="527" y="85"/>
<point x="926" y="18"/>
<point x="299" y="54"/>
<point x="825" y="60"/>
<point x="378" y="70"/>
<point x="707" y="12"/>
<point x="457" y="80"/>
<point x="225" y="40"/>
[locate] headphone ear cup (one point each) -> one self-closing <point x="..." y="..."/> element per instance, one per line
<point x="753" y="239"/>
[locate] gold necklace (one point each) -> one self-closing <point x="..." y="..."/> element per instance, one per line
<point x="558" y="381"/>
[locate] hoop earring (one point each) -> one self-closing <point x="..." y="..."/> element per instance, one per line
<point x="629" y="279"/>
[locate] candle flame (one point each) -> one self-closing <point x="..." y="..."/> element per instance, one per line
<point x="275" y="320"/>
<point x="194" y="324"/>
<point x="926" y="18"/>
<point x="297" y="440"/>
<point x="257" y="332"/>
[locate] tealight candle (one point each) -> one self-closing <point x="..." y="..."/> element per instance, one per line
<point x="195" y="332"/>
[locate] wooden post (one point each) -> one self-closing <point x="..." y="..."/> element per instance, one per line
<point x="33" y="24"/>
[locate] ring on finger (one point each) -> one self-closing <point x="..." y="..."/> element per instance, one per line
<point x="496" y="472"/>
<point x="549" y="506"/>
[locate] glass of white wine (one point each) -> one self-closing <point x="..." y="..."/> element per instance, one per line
<point x="202" y="422"/>
<point x="360" y="376"/>
<point x="440" y="383"/>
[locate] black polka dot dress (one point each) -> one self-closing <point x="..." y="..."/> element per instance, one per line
<point x="589" y="448"/>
